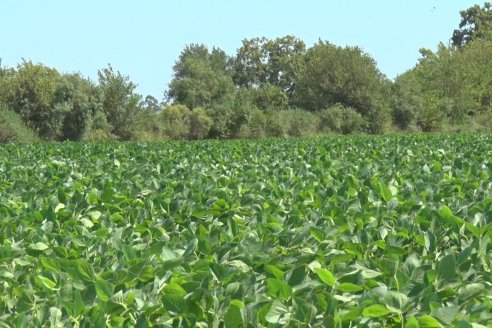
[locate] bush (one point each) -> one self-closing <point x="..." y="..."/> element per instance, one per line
<point x="175" y="121"/>
<point x="256" y="127"/>
<point x="100" y="129"/>
<point x="229" y="117"/>
<point x="432" y="116"/>
<point x="292" y="122"/>
<point x="12" y="128"/>
<point x="200" y="124"/>
<point x="149" y="125"/>
<point x="341" y="119"/>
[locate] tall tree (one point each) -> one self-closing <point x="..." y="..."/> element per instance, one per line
<point x="120" y="101"/>
<point x="201" y="77"/>
<point x="343" y="75"/>
<point x="261" y="61"/>
<point x="81" y="100"/>
<point x="476" y="23"/>
<point x="30" y="90"/>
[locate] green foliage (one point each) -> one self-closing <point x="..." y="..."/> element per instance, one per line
<point x="256" y="127"/>
<point x="200" y="124"/>
<point x="346" y="76"/>
<point x="229" y="117"/>
<point x="432" y="114"/>
<point x="176" y="121"/>
<point x="449" y="86"/>
<point x="201" y="78"/>
<point x="406" y="101"/>
<point x="31" y="92"/>
<point x="262" y="62"/>
<point x="341" y="119"/>
<point x="80" y="100"/>
<point x="120" y="102"/>
<point x="476" y="24"/>
<point x="370" y="231"/>
<point x="292" y="123"/>
<point x="148" y="126"/>
<point x="100" y="130"/>
<point x="267" y="97"/>
<point x="13" y="129"/>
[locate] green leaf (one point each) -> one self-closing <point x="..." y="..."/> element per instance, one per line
<point x="173" y="297"/>
<point x="55" y="318"/>
<point x="233" y="317"/>
<point x="50" y="263"/>
<point x="412" y="322"/>
<point x="375" y="311"/>
<point x="84" y="270"/>
<point x="278" y="289"/>
<point x="395" y="301"/>
<point x="276" y="313"/>
<point x="40" y="246"/>
<point x="428" y="321"/>
<point x="104" y="290"/>
<point x="349" y="287"/>
<point x="78" y="304"/>
<point x="276" y="272"/>
<point x="446" y="314"/>
<point x="303" y="310"/>
<point x="297" y="275"/>
<point x="470" y="290"/>
<point x="326" y="276"/>
<point x="446" y="268"/>
<point x="445" y="212"/>
<point x="463" y="324"/>
<point x="107" y="194"/>
<point x="45" y="281"/>
<point x="317" y="234"/>
<point x="385" y="192"/>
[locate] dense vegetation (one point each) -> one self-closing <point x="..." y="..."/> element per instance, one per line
<point x="268" y="88"/>
<point x="370" y="231"/>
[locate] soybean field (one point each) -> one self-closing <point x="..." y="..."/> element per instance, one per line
<point x="364" y="231"/>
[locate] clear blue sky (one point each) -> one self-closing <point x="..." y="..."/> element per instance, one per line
<point x="143" y="38"/>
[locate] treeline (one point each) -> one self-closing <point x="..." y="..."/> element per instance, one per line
<point x="268" y="88"/>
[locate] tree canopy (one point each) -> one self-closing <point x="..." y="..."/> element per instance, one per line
<point x="268" y="87"/>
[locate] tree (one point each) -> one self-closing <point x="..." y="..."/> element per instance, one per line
<point x="476" y="23"/>
<point x="343" y="75"/>
<point x="448" y="86"/>
<point x="201" y="78"/>
<point x="176" y="121"/>
<point x="13" y="129"/>
<point x="200" y="124"/>
<point x="229" y="116"/>
<point x="261" y="61"/>
<point x="30" y="91"/>
<point x="341" y="119"/>
<point x="269" y="97"/>
<point x="406" y="101"/>
<point x="151" y="103"/>
<point x="120" y="102"/>
<point x="81" y="100"/>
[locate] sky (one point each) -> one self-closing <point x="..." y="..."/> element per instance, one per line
<point x="143" y="39"/>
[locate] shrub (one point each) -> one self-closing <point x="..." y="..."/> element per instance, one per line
<point x="292" y="122"/>
<point x="12" y="128"/>
<point x="149" y="126"/>
<point x="432" y="116"/>
<point x="341" y="119"/>
<point x="176" y="121"/>
<point x="229" y="117"/>
<point x="200" y="124"/>
<point x="256" y="127"/>
<point x="100" y="129"/>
